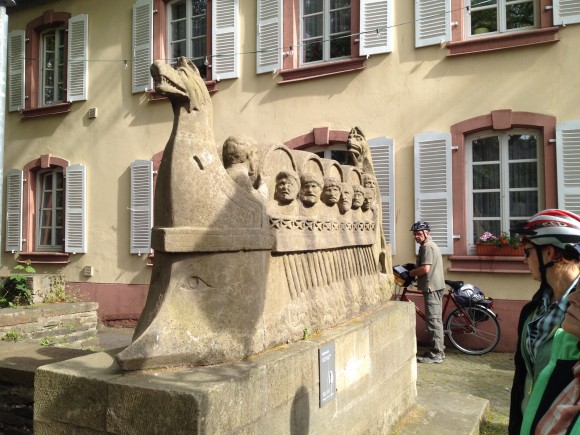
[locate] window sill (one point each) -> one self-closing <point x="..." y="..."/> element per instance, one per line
<point x="154" y="96"/>
<point x="322" y="70"/>
<point x="44" y="257"/>
<point x="492" y="264"/>
<point x="53" y="109"/>
<point x="503" y="41"/>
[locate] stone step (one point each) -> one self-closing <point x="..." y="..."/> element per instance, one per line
<point x="444" y="413"/>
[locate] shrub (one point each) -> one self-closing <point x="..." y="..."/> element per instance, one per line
<point x="14" y="291"/>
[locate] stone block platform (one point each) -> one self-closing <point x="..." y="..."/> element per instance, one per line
<point x="274" y="392"/>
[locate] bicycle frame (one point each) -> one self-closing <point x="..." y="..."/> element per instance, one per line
<point x="448" y="297"/>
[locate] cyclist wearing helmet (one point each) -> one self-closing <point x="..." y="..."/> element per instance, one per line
<point x="430" y="280"/>
<point x="544" y="238"/>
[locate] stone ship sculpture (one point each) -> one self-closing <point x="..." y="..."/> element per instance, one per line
<point x="254" y="248"/>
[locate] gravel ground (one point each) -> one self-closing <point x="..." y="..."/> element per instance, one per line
<point x="488" y="376"/>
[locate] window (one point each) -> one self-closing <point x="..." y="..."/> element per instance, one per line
<point x="333" y="152"/>
<point x="473" y="26"/>
<point x="504" y="180"/>
<point x="46" y="210"/>
<point x="314" y="38"/>
<point x="205" y="31"/>
<point x="488" y="172"/>
<point x="485" y="17"/>
<point x="50" y="224"/>
<point x="48" y="64"/>
<point x="187" y="35"/>
<point x="326" y="30"/>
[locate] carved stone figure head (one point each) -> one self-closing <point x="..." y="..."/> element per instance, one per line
<point x="331" y="191"/>
<point x="346" y="197"/>
<point x="239" y="150"/>
<point x="287" y="185"/>
<point x="357" y="147"/>
<point x="369" y="198"/>
<point x="358" y="196"/>
<point x="310" y="188"/>
<point x="369" y="181"/>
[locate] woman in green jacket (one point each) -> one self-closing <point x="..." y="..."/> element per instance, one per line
<point x="554" y="405"/>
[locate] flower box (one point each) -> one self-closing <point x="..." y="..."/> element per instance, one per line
<point x="490" y="249"/>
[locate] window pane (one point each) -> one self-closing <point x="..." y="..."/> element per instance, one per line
<point x="199" y="48"/>
<point x="476" y="3"/>
<point x="59" y="197"/>
<point x="312" y="6"/>
<point x="522" y="146"/>
<point x="46" y="218"/>
<point x="340" y="21"/>
<point x="178" y="30"/>
<point x="523" y="204"/>
<point x="523" y="175"/>
<point x="483" y="21"/>
<point x="59" y="218"/>
<point x="58" y="237"/>
<point x="486" y="204"/>
<point x="485" y="177"/>
<point x="198" y="7"/>
<point x="520" y="15"/>
<point x="313" y="51"/>
<point x="178" y="50"/>
<point x="47" y="199"/>
<point x="201" y="66"/>
<point x="46" y="236"/>
<point x="198" y="26"/>
<point x="178" y="10"/>
<point x="59" y="180"/>
<point x="340" y="47"/>
<point x="486" y="149"/>
<point x="313" y="26"/>
<point x="340" y="156"/>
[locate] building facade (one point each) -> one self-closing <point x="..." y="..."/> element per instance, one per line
<point x="470" y="108"/>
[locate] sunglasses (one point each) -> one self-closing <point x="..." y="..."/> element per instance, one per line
<point x="527" y="251"/>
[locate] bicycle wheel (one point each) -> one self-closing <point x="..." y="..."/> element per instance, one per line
<point x="473" y="330"/>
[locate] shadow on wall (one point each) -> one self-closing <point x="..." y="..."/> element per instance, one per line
<point x="300" y="413"/>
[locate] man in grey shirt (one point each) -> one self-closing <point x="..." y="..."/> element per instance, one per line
<point x="430" y="280"/>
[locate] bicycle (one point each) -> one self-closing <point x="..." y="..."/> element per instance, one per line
<point x="472" y="329"/>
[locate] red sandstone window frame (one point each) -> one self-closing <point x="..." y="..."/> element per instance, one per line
<point x="34" y="29"/>
<point x="29" y="221"/>
<point x="292" y="70"/>
<point x="498" y="120"/>
<point x="546" y="32"/>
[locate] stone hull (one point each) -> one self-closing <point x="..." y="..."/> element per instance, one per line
<point x="274" y="392"/>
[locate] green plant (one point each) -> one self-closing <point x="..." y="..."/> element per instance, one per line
<point x="504" y="239"/>
<point x="14" y="291"/>
<point x="12" y="336"/>
<point x="306" y="333"/>
<point x="59" y="291"/>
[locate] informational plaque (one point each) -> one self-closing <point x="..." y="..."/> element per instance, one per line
<point x="327" y="373"/>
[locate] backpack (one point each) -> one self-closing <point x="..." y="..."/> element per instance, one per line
<point x="468" y="295"/>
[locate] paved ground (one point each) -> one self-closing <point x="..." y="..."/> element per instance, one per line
<point x="448" y="393"/>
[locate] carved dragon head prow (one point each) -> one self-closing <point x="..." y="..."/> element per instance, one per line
<point x="182" y="85"/>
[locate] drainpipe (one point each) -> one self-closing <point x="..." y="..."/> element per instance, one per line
<point x="3" y="70"/>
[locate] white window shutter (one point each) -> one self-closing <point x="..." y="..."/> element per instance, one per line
<point x="433" y="188"/>
<point x="382" y="153"/>
<point x="141" y="206"/>
<point x="75" y="239"/>
<point x="16" y="63"/>
<point x="566" y="12"/>
<point x="269" y="36"/>
<point x="225" y="34"/>
<point x="77" y="81"/>
<point x="432" y="22"/>
<point x="15" y="185"/>
<point x="568" y="163"/>
<point x="142" y="45"/>
<point x="376" y="26"/>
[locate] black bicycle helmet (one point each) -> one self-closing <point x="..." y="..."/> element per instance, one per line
<point x="420" y="226"/>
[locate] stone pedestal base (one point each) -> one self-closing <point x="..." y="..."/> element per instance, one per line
<point x="275" y="392"/>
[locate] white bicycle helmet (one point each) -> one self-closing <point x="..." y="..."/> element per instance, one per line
<point x="551" y="227"/>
